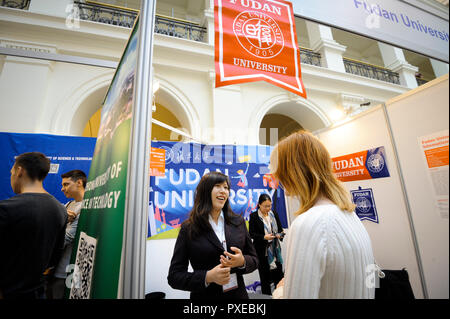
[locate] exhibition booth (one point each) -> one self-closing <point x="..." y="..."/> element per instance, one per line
<point x="405" y="209"/>
<point x="393" y="158"/>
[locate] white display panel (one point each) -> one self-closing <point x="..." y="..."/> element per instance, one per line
<point x="392" y="241"/>
<point x="417" y="114"/>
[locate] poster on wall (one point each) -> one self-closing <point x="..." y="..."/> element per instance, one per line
<point x="65" y="153"/>
<point x="172" y="195"/>
<point x="157" y="162"/>
<point x="362" y="165"/>
<point x="257" y="41"/>
<point x="365" y="204"/>
<point x="102" y="214"/>
<point x="435" y="152"/>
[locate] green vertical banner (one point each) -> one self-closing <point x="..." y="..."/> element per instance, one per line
<point x="97" y="249"/>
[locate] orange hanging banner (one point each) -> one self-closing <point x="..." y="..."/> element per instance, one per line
<point x="256" y="40"/>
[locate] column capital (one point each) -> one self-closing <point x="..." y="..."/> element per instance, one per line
<point x="402" y="66"/>
<point x="329" y="45"/>
<point x="208" y="15"/>
<point x="208" y="22"/>
<point x="28" y="46"/>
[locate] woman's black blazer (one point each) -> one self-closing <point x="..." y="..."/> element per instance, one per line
<point x="203" y="252"/>
<point x="256" y="230"/>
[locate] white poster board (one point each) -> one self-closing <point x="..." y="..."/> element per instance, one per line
<point x="421" y="115"/>
<point x="391" y="237"/>
<point x="434" y="150"/>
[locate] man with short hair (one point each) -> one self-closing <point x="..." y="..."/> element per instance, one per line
<point x="73" y="185"/>
<point x="32" y="228"/>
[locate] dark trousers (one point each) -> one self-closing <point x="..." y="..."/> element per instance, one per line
<point x="38" y="293"/>
<point x="56" y="288"/>
<point x="268" y="276"/>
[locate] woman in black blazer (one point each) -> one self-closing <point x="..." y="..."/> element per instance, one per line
<point x="216" y="243"/>
<point x="266" y="239"/>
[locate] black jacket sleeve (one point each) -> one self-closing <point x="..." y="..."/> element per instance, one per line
<point x="280" y="227"/>
<point x="254" y="230"/>
<point x="249" y="252"/>
<point x="179" y="277"/>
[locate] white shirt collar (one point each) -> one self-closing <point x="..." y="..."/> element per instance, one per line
<point x="219" y="221"/>
<point x="218" y="228"/>
<point x="266" y="221"/>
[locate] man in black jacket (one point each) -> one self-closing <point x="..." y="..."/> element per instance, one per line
<point x="32" y="229"/>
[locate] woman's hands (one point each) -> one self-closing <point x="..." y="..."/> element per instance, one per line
<point x="219" y="275"/>
<point x="269" y="237"/>
<point x="233" y="260"/>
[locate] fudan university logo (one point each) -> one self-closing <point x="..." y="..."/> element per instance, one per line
<point x="256" y="40"/>
<point x="263" y="36"/>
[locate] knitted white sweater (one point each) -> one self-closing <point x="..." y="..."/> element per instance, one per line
<point x="328" y="251"/>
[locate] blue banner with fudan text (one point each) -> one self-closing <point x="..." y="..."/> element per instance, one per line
<point x="172" y="195"/>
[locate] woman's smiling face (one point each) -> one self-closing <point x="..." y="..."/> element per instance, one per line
<point x="219" y="195"/>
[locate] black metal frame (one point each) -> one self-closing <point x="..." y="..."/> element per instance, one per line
<point x="420" y="81"/>
<point x="179" y="29"/>
<point x="103" y="14"/>
<point x="371" y="71"/>
<point x="16" y="4"/>
<point x="125" y="18"/>
<point x="310" y="57"/>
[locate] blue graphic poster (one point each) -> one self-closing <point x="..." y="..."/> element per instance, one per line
<point x="172" y="196"/>
<point x="65" y="153"/>
<point x="365" y="204"/>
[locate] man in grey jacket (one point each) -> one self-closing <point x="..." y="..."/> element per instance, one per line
<point x="73" y="186"/>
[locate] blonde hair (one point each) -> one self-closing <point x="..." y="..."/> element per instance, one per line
<point x="303" y="166"/>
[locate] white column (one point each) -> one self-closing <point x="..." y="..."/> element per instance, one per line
<point x="51" y="7"/>
<point x="208" y="20"/>
<point x="322" y="41"/>
<point x="439" y="68"/>
<point x="23" y="88"/>
<point x="394" y="59"/>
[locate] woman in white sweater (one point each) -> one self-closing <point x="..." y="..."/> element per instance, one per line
<point x="328" y="248"/>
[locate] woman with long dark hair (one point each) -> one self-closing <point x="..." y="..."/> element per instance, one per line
<point x="267" y="233"/>
<point x="216" y="243"/>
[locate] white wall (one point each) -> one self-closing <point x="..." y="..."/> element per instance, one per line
<point x="20" y="94"/>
